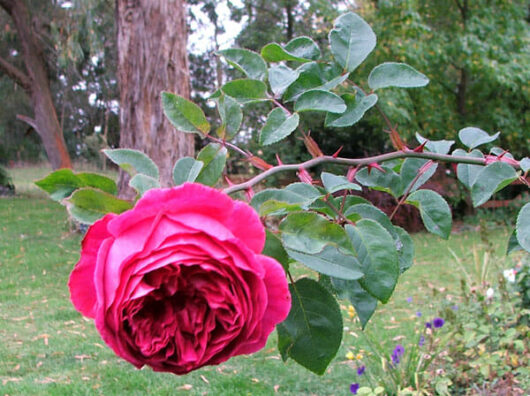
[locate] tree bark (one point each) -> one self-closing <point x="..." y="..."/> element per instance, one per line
<point x="36" y="84"/>
<point x="152" y="57"/>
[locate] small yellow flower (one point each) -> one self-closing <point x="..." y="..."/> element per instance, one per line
<point x="350" y="355"/>
<point x="359" y="356"/>
<point x="351" y="311"/>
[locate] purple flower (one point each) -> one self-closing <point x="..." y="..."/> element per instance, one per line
<point x="397" y="353"/>
<point x="428" y="325"/>
<point x="409" y="299"/>
<point x="421" y="341"/>
<point x="360" y="370"/>
<point x="418" y="314"/>
<point x="354" y="388"/>
<point x="438" y="322"/>
<point x="454" y="307"/>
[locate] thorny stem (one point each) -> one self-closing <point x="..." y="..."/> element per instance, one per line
<point x="281" y="106"/>
<point x="338" y="212"/>
<point x="353" y="162"/>
<point x="228" y="144"/>
<point x="406" y="193"/>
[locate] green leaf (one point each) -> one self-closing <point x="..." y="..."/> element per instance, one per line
<point x="186" y="169"/>
<point x="473" y="137"/>
<point x="369" y="211"/>
<point x="364" y="303"/>
<point x="525" y="164"/>
<point x="491" y="179"/>
<point x="231" y="117"/>
<point x="280" y="77"/>
<point x="278" y="126"/>
<point x="333" y="183"/>
<point x="299" y="49"/>
<point x="98" y="181"/>
<point x="246" y="61"/>
<point x="351" y="41"/>
<point x="319" y="244"/>
<point x="378" y="256"/>
<point x="186" y="116"/>
<point x="356" y="106"/>
<point x="402" y="240"/>
<point x="434" y="211"/>
<point x="436" y="146"/>
<point x="522" y="227"/>
<point x="133" y="161"/>
<point x="246" y="91"/>
<point x="330" y="261"/>
<point x="405" y="248"/>
<point x="314" y="76"/>
<point x="63" y="182"/>
<point x="141" y="183"/>
<point x="410" y="169"/>
<point x="388" y="181"/>
<point x="513" y="244"/>
<point x="303" y="48"/>
<point x="213" y="156"/>
<point x="392" y="74"/>
<point x="273" y="201"/>
<point x="319" y="100"/>
<point x="87" y="205"/>
<point x="467" y="174"/>
<point x="322" y="207"/>
<point x="310" y="232"/>
<point x="312" y="333"/>
<point x="273" y="248"/>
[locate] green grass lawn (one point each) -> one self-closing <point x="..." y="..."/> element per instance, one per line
<point x="48" y="348"/>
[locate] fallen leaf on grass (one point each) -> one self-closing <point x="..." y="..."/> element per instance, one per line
<point x="43" y="336"/>
<point x="13" y="379"/>
<point x="204" y="379"/>
<point x="186" y="387"/>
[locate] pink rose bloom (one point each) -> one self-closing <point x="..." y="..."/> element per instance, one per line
<point x="178" y="282"/>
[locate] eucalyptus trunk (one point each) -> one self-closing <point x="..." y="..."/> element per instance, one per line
<point x="152" y="57"/>
<point x="34" y="80"/>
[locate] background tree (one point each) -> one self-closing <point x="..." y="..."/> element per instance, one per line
<point x="80" y="59"/>
<point x="476" y="55"/>
<point x="152" y="57"/>
<point x="31" y="74"/>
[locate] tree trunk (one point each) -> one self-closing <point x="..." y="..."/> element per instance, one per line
<point x="36" y="84"/>
<point x="152" y="57"/>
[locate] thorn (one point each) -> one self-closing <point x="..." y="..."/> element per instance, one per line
<point x="336" y="154"/>
<point x="351" y="173"/>
<point x="420" y="148"/>
<point x="278" y="159"/>
<point x="249" y="193"/>
<point x="376" y="166"/>
<point x="228" y="181"/>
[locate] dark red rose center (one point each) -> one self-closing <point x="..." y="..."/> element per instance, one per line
<point x="189" y="316"/>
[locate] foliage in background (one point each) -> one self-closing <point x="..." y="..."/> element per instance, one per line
<point x="476" y="54"/>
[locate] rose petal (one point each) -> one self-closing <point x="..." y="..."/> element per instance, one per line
<point x="278" y="304"/>
<point x="81" y="283"/>
<point x="237" y="216"/>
